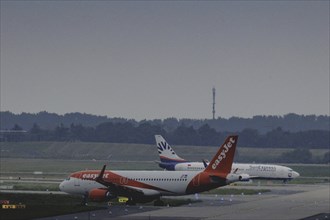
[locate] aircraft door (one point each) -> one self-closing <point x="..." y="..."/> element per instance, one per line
<point x="123" y="180"/>
<point x="76" y="181"/>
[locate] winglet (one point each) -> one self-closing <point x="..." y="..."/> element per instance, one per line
<point x="204" y="163"/>
<point x="223" y="160"/>
<point x="99" y="179"/>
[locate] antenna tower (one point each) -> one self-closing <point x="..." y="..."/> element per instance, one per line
<point x="213" y="105"/>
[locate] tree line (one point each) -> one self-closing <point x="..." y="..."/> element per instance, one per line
<point x="182" y="135"/>
<point x="263" y="124"/>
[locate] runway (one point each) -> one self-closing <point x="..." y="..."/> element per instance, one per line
<point x="285" y="202"/>
<point x="293" y="206"/>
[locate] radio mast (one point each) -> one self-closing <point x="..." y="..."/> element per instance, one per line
<point x="213" y="106"/>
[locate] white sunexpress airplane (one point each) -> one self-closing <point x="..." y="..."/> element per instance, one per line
<point x="169" y="160"/>
<point x="144" y="186"/>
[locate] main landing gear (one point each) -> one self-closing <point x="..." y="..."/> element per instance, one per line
<point x="84" y="201"/>
<point x="159" y="202"/>
<point x="130" y="202"/>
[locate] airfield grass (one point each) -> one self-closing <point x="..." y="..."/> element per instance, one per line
<point x="316" y="180"/>
<point x="55" y="168"/>
<point x="312" y="170"/>
<point x="46" y="205"/>
<point x="133" y="152"/>
<point x="34" y="186"/>
<point x="43" y="205"/>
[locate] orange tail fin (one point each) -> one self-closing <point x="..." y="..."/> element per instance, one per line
<point x="223" y="160"/>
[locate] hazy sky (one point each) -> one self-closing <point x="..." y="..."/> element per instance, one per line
<point x="161" y="59"/>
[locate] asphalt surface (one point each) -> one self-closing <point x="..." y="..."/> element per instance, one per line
<point x="283" y="202"/>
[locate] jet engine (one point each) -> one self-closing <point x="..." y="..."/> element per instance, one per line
<point x="100" y="195"/>
<point x="244" y="177"/>
<point x="232" y="177"/>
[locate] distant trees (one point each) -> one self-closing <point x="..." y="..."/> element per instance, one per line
<point x="17" y="128"/>
<point x="143" y="133"/>
<point x="289" y="131"/>
<point x="326" y="157"/>
<point x="61" y="133"/>
<point x="35" y="132"/>
<point x="124" y="131"/>
<point x="189" y="133"/>
<point x="263" y="124"/>
<point x="297" y="156"/>
<point x="250" y="137"/>
<point x="15" y="134"/>
<point x="208" y="135"/>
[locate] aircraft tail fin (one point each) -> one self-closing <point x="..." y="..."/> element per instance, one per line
<point x="165" y="151"/>
<point x="223" y="160"/>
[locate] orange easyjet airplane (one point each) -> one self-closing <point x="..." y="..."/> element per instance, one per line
<point x="145" y="186"/>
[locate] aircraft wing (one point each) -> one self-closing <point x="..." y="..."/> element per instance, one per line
<point x="254" y="177"/>
<point x="245" y="176"/>
<point x="123" y="190"/>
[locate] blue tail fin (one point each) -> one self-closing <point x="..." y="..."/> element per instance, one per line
<point x="166" y="153"/>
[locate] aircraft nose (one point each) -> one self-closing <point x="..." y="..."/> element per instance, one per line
<point x="295" y="174"/>
<point x="61" y="186"/>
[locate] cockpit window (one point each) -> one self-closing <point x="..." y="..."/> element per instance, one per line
<point x="67" y="178"/>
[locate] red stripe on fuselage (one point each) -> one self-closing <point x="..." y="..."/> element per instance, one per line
<point x="116" y="179"/>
